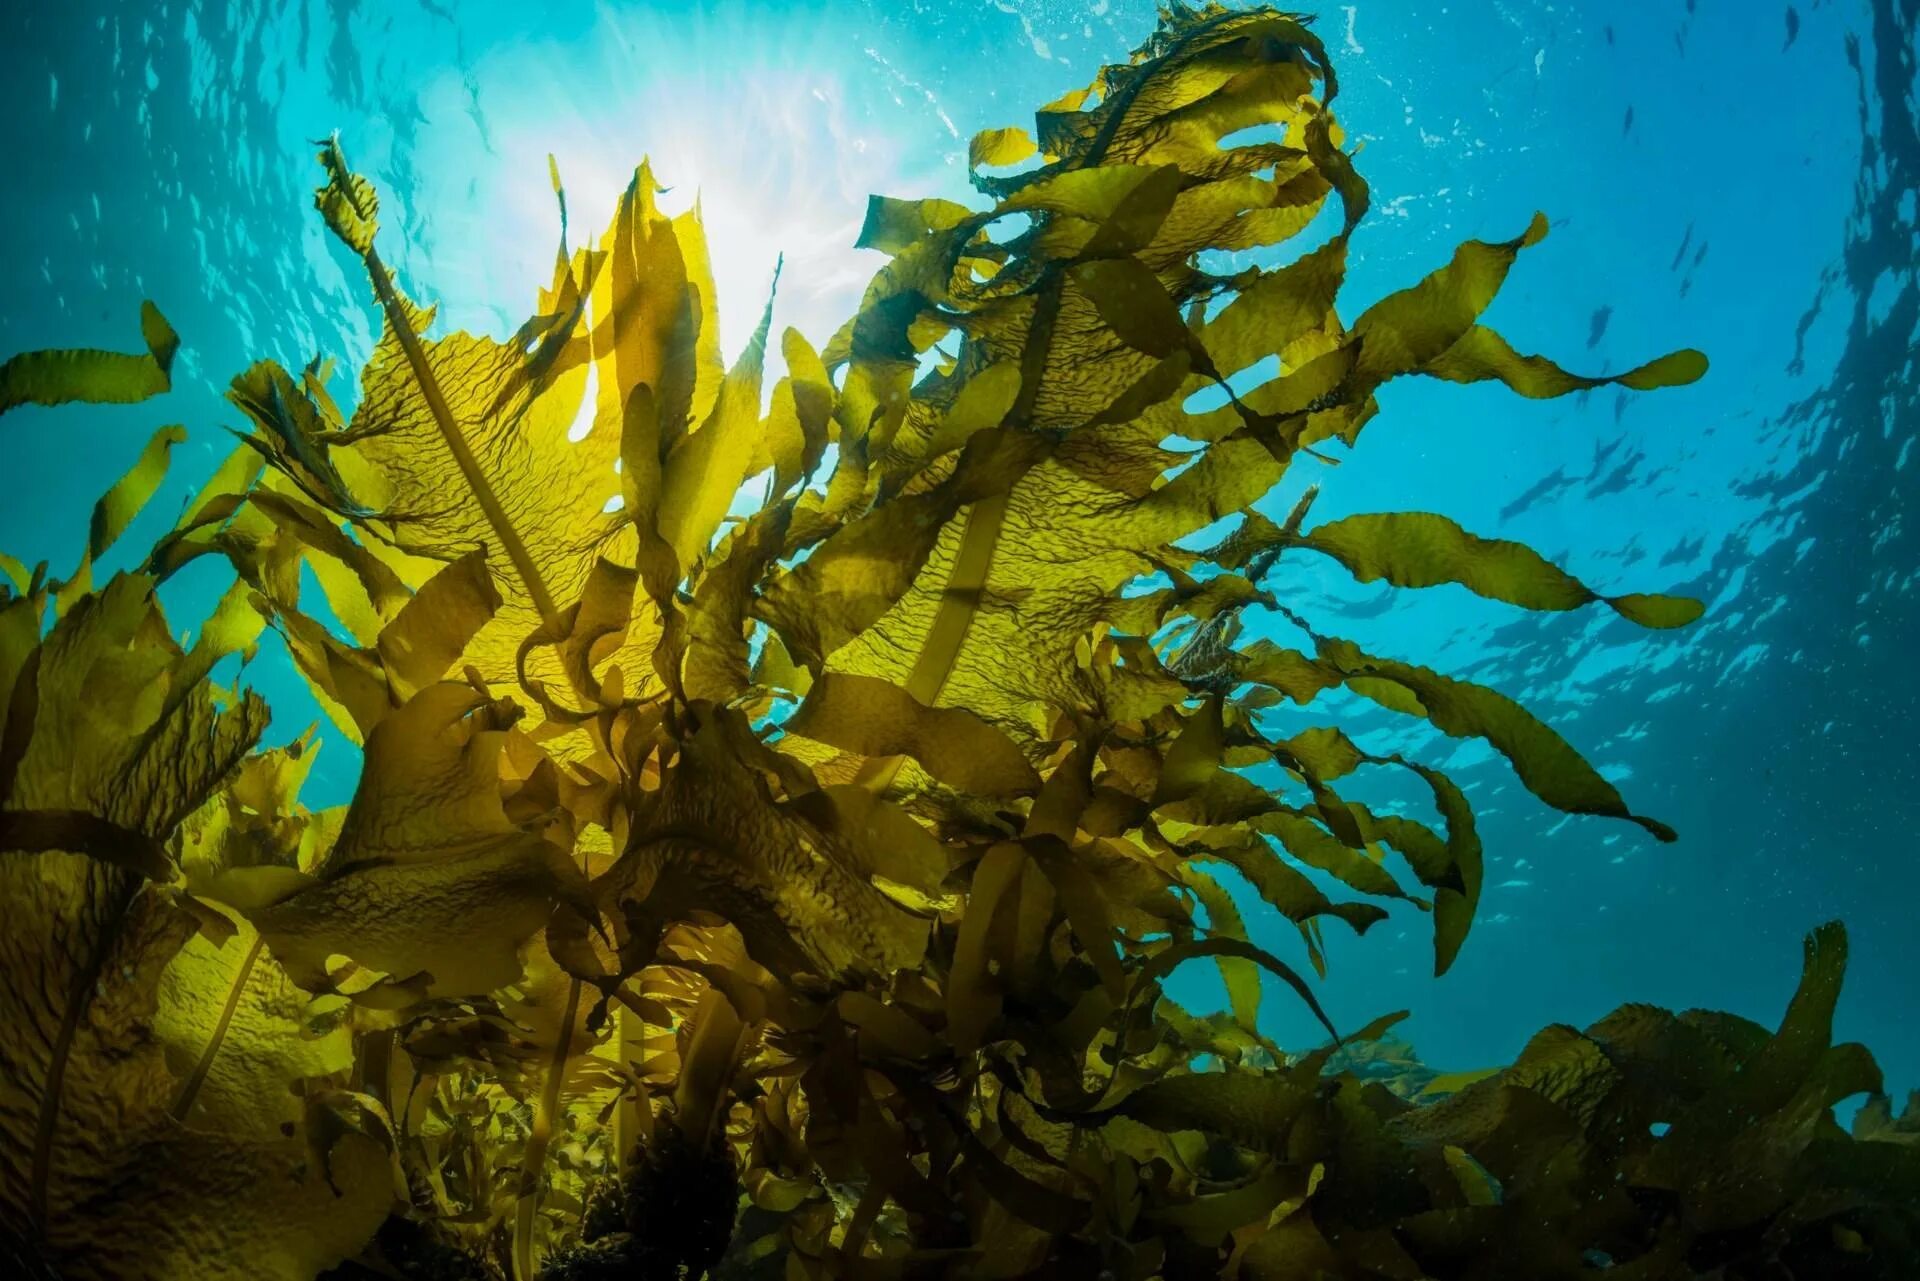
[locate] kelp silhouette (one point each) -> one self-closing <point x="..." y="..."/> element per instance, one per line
<point x="792" y="895"/>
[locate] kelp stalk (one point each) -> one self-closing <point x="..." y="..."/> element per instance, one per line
<point x="348" y="203"/>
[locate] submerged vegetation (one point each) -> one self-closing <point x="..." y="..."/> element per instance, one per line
<point x="790" y="895"/>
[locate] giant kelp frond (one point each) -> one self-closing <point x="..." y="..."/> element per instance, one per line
<point x="151" y="1044"/>
<point x="795" y="895"/>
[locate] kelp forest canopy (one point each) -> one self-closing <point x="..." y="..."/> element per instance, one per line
<point x="790" y="895"/>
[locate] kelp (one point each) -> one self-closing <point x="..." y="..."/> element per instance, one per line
<point x="793" y="894"/>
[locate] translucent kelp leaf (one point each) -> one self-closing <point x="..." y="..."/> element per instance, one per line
<point x="1419" y="549"/>
<point x="429" y="873"/>
<point x="999" y="147"/>
<point x="1550" y="768"/>
<point x="875" y="718"/>
<point x="1240" y="976"/>
<point x="716" y="666"/>
<point x="701" y="475"/>
<point x="1283" y="887"/>
<point x="101" y="377"/>
<point x="119" y="505"/>
<point x="237" y="1031"/>
<point x="1481" y="354"/>
<point x="111" y="720"/>
<point x="456" y="440"/>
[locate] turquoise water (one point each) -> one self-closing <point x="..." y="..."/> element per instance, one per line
<point x="1733" y="176"/>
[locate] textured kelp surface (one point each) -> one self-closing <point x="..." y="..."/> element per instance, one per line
<point x="791" y="894"/>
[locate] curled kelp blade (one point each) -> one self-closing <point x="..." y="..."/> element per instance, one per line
<point x="90" y="375"/>
<point x="429" y="872"/>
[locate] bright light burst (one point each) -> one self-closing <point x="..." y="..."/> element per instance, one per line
<point x="780" y="128"/>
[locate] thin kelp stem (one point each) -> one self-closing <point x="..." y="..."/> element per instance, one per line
<point x="350" y="207"/>
<point x="476" y="479"/>
<point x="539" y="1138"/>
<point x="190" y="1089"/>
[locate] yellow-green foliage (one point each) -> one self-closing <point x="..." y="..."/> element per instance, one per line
<point x="707" y="907"/>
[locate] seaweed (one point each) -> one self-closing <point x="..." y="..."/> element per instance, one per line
<point x="793" y="893"/>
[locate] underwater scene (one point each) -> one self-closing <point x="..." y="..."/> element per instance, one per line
<point x="895" y="639"/>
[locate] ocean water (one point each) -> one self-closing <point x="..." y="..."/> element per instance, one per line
<point x="1729" y="174"/>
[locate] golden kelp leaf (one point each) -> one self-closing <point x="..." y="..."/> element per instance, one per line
<point x="1481" y="354"/>
<point x="1420" y="549"/>
<point x="432" y="629"/>
<point x="890" y="1029"/>
<point x="1014" y="584"/>
<point x="1290" y="672"/>
<point x="222" y="1195"/>
<point x="99" y="377"/>
<point x="1280" y="309"/>
<point x="110" y="719"/>
<point x="18" y="577"/>
<point x="893" y="851"/>
<point x="236" y="1033"/>
<point x="362" y="590"/>
<point x="236" y="1029"/>
<point x="348" y="203"/>
<point x="219" y="1206"/>
<point x="1147" y="978"/>
<point x="972" y="1004"/>
<point x="1456" y="877"/>
<point x="99" y="713"/>
<point x="875" y="718"/>
<point x="1285" y="888"/>
<point x="1194" y="757"/>
<point x="1405" y="330"/>
<point x="717" y="842"/>
<point x="716" y="667"/>
<point x="1324" y="751"/>
<point x="415" y="645"/>
<point x="429" y="873"/>
<point x="650" y="306"/>
<point x="553" y="488"/>
<point x="1239" y="975"/>
<point x="119" y="505"/>
<point x="858" y="573"/>
<point x="1311" y="844"/>
<point x="1084" y="904"/>
<point x="460" y="920"/>
<point x="1545" y="762"/>
<point x="999" y="147"/>
<point x="1132" y="302"/>
<point x="700" y="477"/>
<point x="456" y="440"/>
<point x="294" y="425"/>
<point x="892" y="225"/>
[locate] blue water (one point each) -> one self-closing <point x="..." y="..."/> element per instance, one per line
<point x="1726" y="174"/>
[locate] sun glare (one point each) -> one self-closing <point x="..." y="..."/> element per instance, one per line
<point x="778" y="129"/>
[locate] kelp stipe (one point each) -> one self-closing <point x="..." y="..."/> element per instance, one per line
<point x="707" y="909"/>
